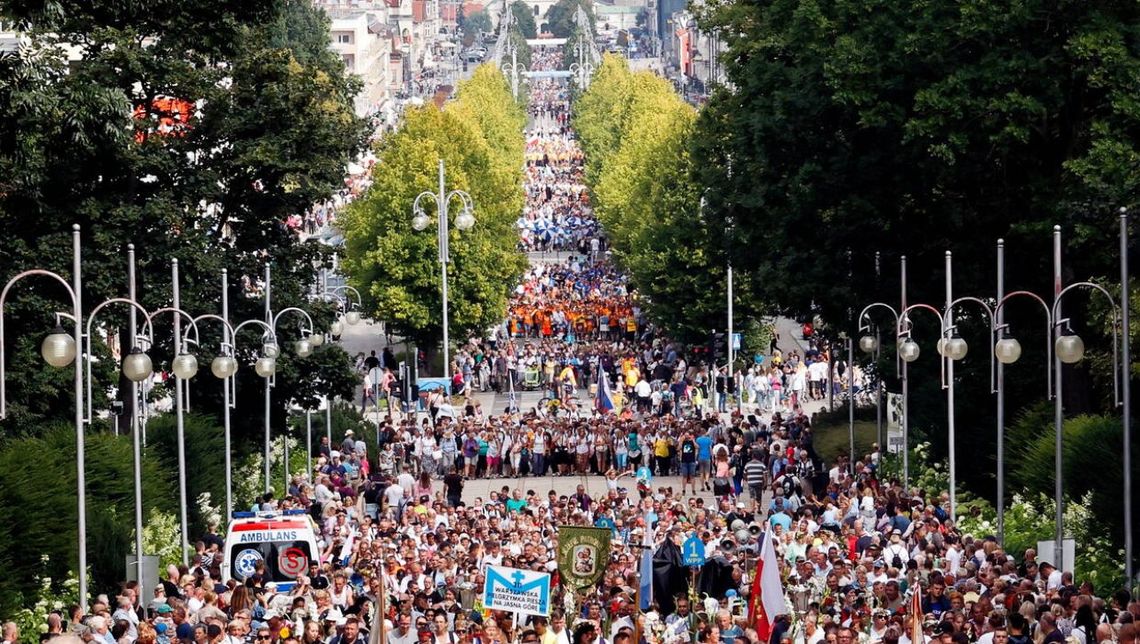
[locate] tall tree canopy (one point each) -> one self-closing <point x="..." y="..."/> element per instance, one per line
<point x="192" y="130"/>
<point x="913" y="128"/>
<point x="479" y="138"/>
<point x="524" y="18"/>
<point x="477" y="23"/>
<point x="560" y="16"/>
<point x="849" y="128"/>
<point x="635" y="132"/>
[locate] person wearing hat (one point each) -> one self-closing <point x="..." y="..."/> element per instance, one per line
<point x="896" y="553"/>
<point x="185" y="633"/>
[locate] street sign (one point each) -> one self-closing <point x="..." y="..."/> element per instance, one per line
<point x="693" y="551"/>
<point x="736" y="338"/>
<point x="517" y="591"/>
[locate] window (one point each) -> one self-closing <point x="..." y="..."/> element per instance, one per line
<point x="344" y="38"/>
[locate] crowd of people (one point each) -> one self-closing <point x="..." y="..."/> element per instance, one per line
<point x="557" y="214"/>
<point x="862" y="558"/>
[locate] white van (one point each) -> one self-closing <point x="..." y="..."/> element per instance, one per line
<point x="284" y="541"/>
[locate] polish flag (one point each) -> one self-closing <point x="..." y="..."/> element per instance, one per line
<point x="766" y="602"/>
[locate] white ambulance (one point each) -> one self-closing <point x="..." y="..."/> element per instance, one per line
<point x="283" y="543"/>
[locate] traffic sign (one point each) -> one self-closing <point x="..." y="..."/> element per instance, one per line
<point x="693" y="551"/>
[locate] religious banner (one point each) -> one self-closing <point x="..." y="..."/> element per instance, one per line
<point x="583" y="554"/>
<point x="517" y="591"/>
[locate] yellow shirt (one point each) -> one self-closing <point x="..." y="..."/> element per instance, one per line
<point x="661" y="447"/>
<point x="631" y="376"/>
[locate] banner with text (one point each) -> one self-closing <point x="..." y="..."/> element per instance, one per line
<point x="517" y="591"/>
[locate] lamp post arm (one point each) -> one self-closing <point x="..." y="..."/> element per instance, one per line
<point x="87" y="336"/>
<point x="949" y="327"/>
<point x="3" y="298"/>
<point x="905" y="326"/>
<point x="464" y="198"/>
<point x="863" y="315"/>
<point x="203" y="318"/>
<point x="293" y="309"/>
<point x="1049" y="393"/>
<point x="1115" y="330"/>
<point x="336" y="292"/>
<point x="423" y="195"/>
<point x="148" y="332"/>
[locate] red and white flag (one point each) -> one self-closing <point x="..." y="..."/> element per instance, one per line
<point x="916" y="617"/>
<point x="766" y="602"/>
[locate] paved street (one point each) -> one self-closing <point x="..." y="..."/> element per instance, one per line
<point x="595" y="486"/>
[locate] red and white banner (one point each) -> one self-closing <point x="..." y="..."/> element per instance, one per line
<point x="916" y="616"/>
<point x="766" y="601"/>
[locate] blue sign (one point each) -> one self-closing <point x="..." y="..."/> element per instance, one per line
<point x="517" y="591"/>
<point x="736" y="338"/>
<point x="693" y="551"/>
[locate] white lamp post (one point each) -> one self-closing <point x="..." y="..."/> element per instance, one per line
<point x="344" y="304"/>
<point x="266" y="365"/>
<point x="464" y="221"/>
<point x="1069" y="348"/>
<point x="59" y="352"/>
<point x="224" y="367"/>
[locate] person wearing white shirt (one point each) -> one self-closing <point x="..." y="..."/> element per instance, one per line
<point x="322" y="493"/>
<point x="403" y="633"/>
<point x="393" y="494"/>
<point x="407" y="481"/>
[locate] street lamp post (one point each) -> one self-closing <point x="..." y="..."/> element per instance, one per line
<point x="1068" y="348"/>
<point x="59" y="350"/>
<point x="870" y="344"/>
<point x="184" y="366"/>
<point x="908" y="351"/>
<point x="512" y="69"/>
<point x="1126" y="393"/>
<point x="464" y="221"/>
<point x="224" y="366"/>
<point x="266" y="366"/>
<point x="351" y="313"/>
<point x="582" y="70"/>
<point x="1007" y="350"/>
<point x="953" y="349"/>
<point x="136" y="426"/>
<point x="136" y="367"/>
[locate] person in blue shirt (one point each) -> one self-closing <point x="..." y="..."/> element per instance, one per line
<point x="780" y="517"/>
<point x="704" y="458"/>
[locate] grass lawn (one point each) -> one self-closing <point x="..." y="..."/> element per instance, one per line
<point x="832" y="440"/>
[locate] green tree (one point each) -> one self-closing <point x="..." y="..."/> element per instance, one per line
<point x="479" y="137"/>
<point x="524" y="19"/>
<point x="857" y="128"/>
<point x="863" y="128"/>
<point x="635" y="131"/>
<point x="560" y="16"/>
<point x="193" y="131"/>
<point x="37" y="492"/>
<point x="479" y="22"/>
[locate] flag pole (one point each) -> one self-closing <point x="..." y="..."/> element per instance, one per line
<point x="637" y="620"/>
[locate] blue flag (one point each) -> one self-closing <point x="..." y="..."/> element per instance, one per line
<point x="604" y="403"/>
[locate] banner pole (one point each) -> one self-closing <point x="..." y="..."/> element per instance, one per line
<point x="637" y="618"/>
